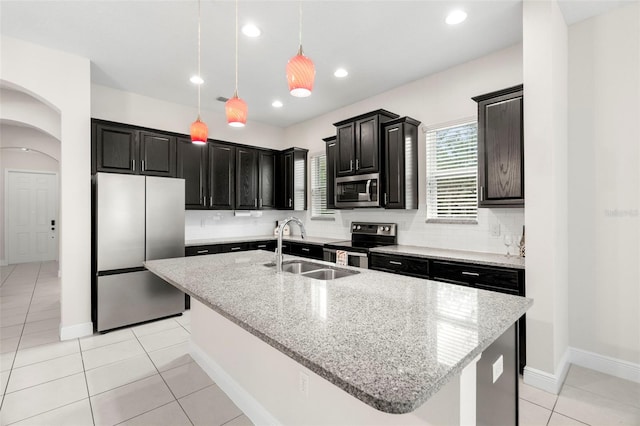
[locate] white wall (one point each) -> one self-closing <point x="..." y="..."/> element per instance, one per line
<point x="19" y="107"/>
<point x="545" y="124"/>
<point x="131" y="108"/>
<point x="604" y="202"/>
<point x="435" y="99"/>
<point x="62" y="81"/>
<point x="44" y="156"/>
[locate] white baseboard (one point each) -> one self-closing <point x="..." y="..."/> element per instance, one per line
<point x="606" y="364"/>
<point x="546" y="381"/>
<point x="243" y="399"/>
<point x="75" y="331"/>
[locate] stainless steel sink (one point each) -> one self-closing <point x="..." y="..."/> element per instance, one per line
<point x="314" y="270"/>
<point x="327" y="274"/>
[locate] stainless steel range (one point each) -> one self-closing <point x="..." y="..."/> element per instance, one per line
<point x="364" y="236"/>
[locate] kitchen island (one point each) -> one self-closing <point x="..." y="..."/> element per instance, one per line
<point x="390" y="341"/>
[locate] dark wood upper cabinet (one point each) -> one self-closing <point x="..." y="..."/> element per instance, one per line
<point x="292" y="179"/>
<point x="267" y="180"/>
<point x="115" y="148"/>
<point x="359" y="149"/>
<point x="222" y="160"/>
<point x="401" y="163"/>
<point x="331" y="170"/>
<point x="192" y="167"/>
<point x="157" y="154"/>
<point x="501" y="148"/>
<point x="246" y="179"/>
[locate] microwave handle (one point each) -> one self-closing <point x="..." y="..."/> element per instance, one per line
<point x="368" y="189"/>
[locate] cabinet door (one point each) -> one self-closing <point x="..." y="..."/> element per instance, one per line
<point x="394" y="173"/>
<point x="285" y="185"/>
<point x="345" y="156"/>
<point x="367" y="146"/>
<point x="192" y="161"/>
<point x="221" y="176"/>
<point x="267" y="184"/>
<point x="157" y="154"/>
<point x="500" y="151"/>
<point x="331" y="172"/>
<point x="116" y="149"/>
<point x="246" y="179"/>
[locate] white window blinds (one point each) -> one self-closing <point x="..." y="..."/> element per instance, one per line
<point x="319" y="187"/>
<point x="452" y="169"/>
<point x="299" y="184"/>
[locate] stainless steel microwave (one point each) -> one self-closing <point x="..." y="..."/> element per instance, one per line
<point x="358" y="191"/>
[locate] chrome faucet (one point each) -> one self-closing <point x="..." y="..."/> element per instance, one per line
<point x="279" y="255"/>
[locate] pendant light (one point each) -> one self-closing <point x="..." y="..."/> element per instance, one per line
<point x="199" y="130"/>
<point x="235" y="107"/>
<point x="300" y="70"/>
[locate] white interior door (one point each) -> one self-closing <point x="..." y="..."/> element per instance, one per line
<point x="32" y="221"/>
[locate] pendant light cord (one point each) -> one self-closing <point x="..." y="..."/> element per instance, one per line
<point x="199" y="56"/>
<point x="236" y="93"/>
<point x="300" y="26"/>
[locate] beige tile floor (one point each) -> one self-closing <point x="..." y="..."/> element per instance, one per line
<point x="144" y="375"/>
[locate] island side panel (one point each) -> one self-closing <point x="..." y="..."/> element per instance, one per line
<point x="266" y="384"/>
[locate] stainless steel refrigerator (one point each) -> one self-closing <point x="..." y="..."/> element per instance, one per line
<point x="136" y="218"/>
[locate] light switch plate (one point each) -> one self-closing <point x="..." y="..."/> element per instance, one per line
<point x="497" y="369"/>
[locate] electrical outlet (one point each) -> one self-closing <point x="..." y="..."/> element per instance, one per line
<point x="497" y="369"/>
<point x="303" y="384"/>
<point x="494" y="229"/>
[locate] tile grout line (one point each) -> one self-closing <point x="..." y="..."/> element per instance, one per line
<point x="635" y="407"/>
<point x="229" y="421"/>
<point x="164" y="381"/>
<point x="15" y="355"/>
<point x="86" y="383"/>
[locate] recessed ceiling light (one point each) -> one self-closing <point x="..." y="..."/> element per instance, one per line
<point x="277" y="104"/>
<point x="251" y="30"/>
<point x="196" y="79"/>
<point x="456" y="16"/>
<point x="25" y="149"/>
<point x="341" y="73"/>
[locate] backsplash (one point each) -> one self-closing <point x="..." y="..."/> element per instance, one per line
<point x="412" y="228"/>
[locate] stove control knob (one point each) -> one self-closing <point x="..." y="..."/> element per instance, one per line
<point x="358" y="227"/>
<point x="354" y="227"/>
<point x="386" y="228"/>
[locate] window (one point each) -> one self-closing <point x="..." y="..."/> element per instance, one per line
<point x="319" y="188"/>
<point x="452" y="170"/>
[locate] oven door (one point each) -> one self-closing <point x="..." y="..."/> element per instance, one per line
<point x="359" y="260"/>
<point x="358" y="191"/>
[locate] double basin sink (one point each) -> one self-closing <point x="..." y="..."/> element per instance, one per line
<point x="314" y="270"/>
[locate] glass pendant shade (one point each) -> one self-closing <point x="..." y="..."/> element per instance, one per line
<point x="301" y="73"/>
<point x="236" y="110"/>
<point x="199" y="132"/>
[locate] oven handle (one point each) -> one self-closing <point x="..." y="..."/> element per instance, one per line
<point x="349" y="253"/>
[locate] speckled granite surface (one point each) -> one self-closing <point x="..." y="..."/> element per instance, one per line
<point x="473" y="257"/>
<point x="225" y="240"/>
<point x="389" y="340"/>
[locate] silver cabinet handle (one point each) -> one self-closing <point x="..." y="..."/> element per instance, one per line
<point x="142" y="166"/>
<point x="210" y="200"/>
<point x="262" y="245"/>
<point x="482" y="193"/>
<point x="350" y="165"/>
<point x="260" y="203"/>
<point x="202" y="251"/>
<point x="289" y="202"/>
<point x="385" y="198"/>
<point x="393" y="262"/>
<point x="357" y="164"/>
<point x="471" y="274"/>
<point x="235" y="248"/>
<point x="332" y="144"/>
<point x="305" y="249"/>
<point x="133" y="165"/>
<point x="255" y="202"/>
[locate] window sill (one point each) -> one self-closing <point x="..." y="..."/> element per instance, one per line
<point x="453" y="221"/>
<point x="331" y="218"/>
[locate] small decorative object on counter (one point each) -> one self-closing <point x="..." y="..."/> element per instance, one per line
<point x="522" y="243"/>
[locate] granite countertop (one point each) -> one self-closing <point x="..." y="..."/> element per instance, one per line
<point x="478" y="258"/>
<point x="389" y="340"/>
<point x="225" y="240"/>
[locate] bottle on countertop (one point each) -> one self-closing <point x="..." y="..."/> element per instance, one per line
<point x="522" y="243"/>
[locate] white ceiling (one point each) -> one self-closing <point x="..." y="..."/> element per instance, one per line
<point x="150" y="47"/>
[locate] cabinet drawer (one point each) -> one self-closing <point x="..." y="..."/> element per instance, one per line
<point x="311" y="251"/>
<point x="231" y="247"/>
<point x="269" y="245"/>
<point x="404" y="265"/>
<point x="488" y="278"/>
<point x="200" y="250"/>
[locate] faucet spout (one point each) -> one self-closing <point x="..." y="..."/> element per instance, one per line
<point x="279" y="254"/>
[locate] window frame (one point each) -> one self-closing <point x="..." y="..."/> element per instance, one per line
<point x="319" y="183"/>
